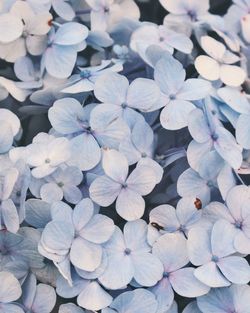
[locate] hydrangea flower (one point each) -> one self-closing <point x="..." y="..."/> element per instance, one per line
<point x="210" y="134"/>
<point x="61" y="184"/>
<point x="21" y="30"/>
<point x="121" y="99"/>
<point x="139" y="147"/>
<point x="166" y="219"/>
<point x="236" y="213"/>
<point x="117" y="184"/>
<point x="105" y="13"/>
<point x="178" y="93"/>
<point x="46" y="154"/>
<point x="85" y="131"/>
<point x="218" y="65"/>
<point x="85" y="80"/>
<point x="191" y="183"/>
<point x="63" y="44"/>
<point x="161" y="36"/>
<point x="185" y="11"/>
<point x="10" y="291"/>
<point x="75" y="236"/>
<point x="212" y="251"/>
<point x="171" y="249"/>
<point x="129" y="257"/>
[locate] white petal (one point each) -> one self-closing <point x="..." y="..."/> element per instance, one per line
<point x="232" y="75"/>
<point x="199" y="246"/>
<point x="213" y="47"/>
<point x="60" y="61"/>
<point x="94" y="297"/>
<point x="104" y="191"/>
<point x="51" y="192"/>
<point x="142" y="94"/>
<point x="171" y="249"/>
<point x="11" y="28"/>
<point x="207" y="67"/>
<point x="175" y="115"/>
<point x="115" y="165"/>
<point x="71" y="34"/>
<point x="186" y="284"/>
<point x="119" y="271"/>
<point x="85" y="255"/>
<point x="142" y="180"/>
<point x="45" y="299"/>
<point x="111" y="88"/>
<point x="148" y="269"/>
<point x="236" y="269"/>
<point x="99" y="229"/>
<point x="194" y="89"/>
<point x="210" y="275"/>
<point x="130" y="205"/>
<point x="10" y="289"/>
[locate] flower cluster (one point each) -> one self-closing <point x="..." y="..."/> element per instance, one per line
<point x="124" y="157"/>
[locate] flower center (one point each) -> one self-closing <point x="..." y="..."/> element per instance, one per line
<point x="85" y="74"/>
<point x="127" y="251"/>
<point x="210" y="184"/>
<point x="238" y="224"/>
<point x="214" y="137"/>
<point x="124" y="185"/>
<point x="47" y="161"/>
<point x="215" y="259"/>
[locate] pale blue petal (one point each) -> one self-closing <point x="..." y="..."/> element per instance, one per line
<point x="10" y="289"/>
<point x="194" y="89"/>
<point x="169" y="75"/>
<point x="243" y="131"/>
<point x="94" y="297"/>
<point x="210" y="275"/>
<point x="85" y="152"/>
<point x="70" y="34"/>
<point x="235" y="99"/>
<point x="98" y="230"/>
<point x="222" y="238"/>
<point x="176" y="113"/>
<point x="139" y="300"/>
<point x="199" y="246"/>
<point x="104" y="190"/>
<point x="45" y="299"/>
<point x="236" y="269"/>
<point x="186" y="284"/>
<point x="60" y="61"/>
<point x="85" y="255"/>
<point x="111" y="88"/>
<point x="142" y="94"/>
<point x="171" y="249"/>
<point x="130" y="205"/>
<point x="65" y="116"/>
